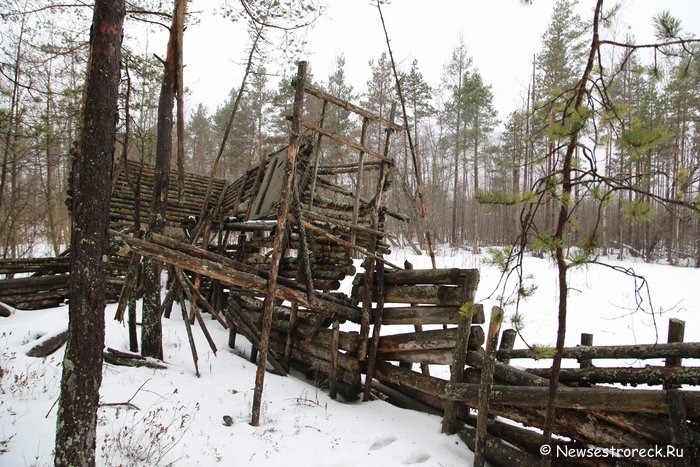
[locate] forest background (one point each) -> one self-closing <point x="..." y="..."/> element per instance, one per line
<point x="488" y="143"/>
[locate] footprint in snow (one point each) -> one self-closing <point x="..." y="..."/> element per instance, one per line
<point x="383" y="442"/>
<point x="416" y="458"/>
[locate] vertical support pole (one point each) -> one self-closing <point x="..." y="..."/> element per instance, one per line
<point x="507" y="342"/>
<point x="676" y="333"/>
<point x="282" y="214"/>
<point x="459" y="356"/>
<point x="370" y="261"/>
<point x="334" y="359"/>
<point x="482" y="418"/>
<point x="376" y="329"/>
<point x="358" y="188"/>
<point x="586" y="339"/>
<point x="317" y="156"/>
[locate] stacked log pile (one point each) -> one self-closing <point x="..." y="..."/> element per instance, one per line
<point x="45" y="281"/>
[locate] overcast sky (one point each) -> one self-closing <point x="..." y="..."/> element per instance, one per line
<point x="500" y="35"/>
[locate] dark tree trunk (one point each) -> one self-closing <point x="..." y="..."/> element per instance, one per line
<point x="151" y="328"/>
<point x="82" y="364"/>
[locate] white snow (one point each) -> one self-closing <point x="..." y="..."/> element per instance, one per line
<point x="300" y="425"/>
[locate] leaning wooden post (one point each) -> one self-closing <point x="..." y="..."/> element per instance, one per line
<point x="676" y="332"/>
<point x="459" y="358"/>
<point x="482" y="418"/>
<point x="282" y="214"/>
<point x="358" y="188"/>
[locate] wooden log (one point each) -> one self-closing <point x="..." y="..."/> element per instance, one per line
<point x="677" y="416"/>
<point x="428" y="340"/>
<point x="429" y="315"/>
<point x="115" y="357"/>
<point x="48" y="345"/>
<point x="588" y="399"/>
<point x="25" y="285"/>
<point x="350" y="107"/>
<point x="507" y="373"/>
<point x="429" y="357"/>
<point x="452" y="276"/>
<point x="609" y="429"/>
<point x="35" y="265"/>
<point x="424" y="294"/>
<point x="391" y="374"/>
<point x="485" y="386"/>
<point x="220" y="268"/>
<point x="636" y="351"/>
<point x="651" y="375"/>
<point x="498" y="452"/>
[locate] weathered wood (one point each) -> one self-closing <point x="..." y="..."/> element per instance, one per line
<point x="347" y="244"/>
<point x="588" y="399"/>
<point x="451" y="276"/>
<point x="424" y="294"/>
<point x="587" y="340"/>
<point x="48" y="345"/>
<point x="334" y="360"/>
<point x="429" y="340"/>
<point x="636" y="351"/>
<point x="277" y="250"/>
<point x="507" y="373"/>
<point x="485" y="386"/>
<point x="376" y="331"/>
<point x="350" y="107"/>
<point x="507" y="342"/>
<point x="220" y="268"/>
<point x="651" y="375"/>
<point x="23" y="285"/>
<point x="498" y="452"/>
<point x="429" y="315"/>
<point x="115" y="357"/>
<point x="676" y="332"/>
<point x="677" y="416"/>
<point x="36" y="265"/>
<point x="392" y="374"/>
<point x="466" y="299"/>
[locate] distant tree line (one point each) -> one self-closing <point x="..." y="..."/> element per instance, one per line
<point x="478" y="171"/>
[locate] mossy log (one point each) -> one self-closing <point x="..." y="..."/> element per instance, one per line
<point x="636" y="351"/>
<point x="651" y="375"/>
<point x="589" y="399"/>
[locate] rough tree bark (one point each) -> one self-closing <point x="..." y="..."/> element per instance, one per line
<point x="82" y="363"/>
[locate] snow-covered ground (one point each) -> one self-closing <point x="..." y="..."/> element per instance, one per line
<point x="177" y="418"/>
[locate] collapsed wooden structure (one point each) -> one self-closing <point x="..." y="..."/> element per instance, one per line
<point x="265" y="255"/>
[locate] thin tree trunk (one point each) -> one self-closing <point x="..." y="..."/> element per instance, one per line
<point x="82" y="363"/>
<point x="151" y="327"/>
<point x="559" y="236"/>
